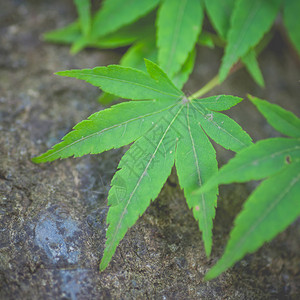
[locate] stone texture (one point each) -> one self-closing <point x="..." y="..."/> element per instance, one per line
<point x="52" y="216"/>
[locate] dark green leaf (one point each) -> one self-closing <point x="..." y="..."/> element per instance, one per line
<point x="219" y="12"/>
<point x="125" y="82"/>
<point x="139" y="181"/>
<point x="222" y="129"/>
<point x="162" y="130"/>
<point x="84" y="12"/>
<point x="205" y="39"/>
<point x="291" y="21"/>
<point x="182" y="76"/>
<point x="219" y="103"/>
<point x="66" y="35"/>
<point x="269" y="210"/>
<point x="251" y="19"/>
<point x="258" y="161"/>
<point x="115" y="14"/>
<point x="251" y="64"/>
<point x="111" y="128"/>
<point x="195" y="164"/>
<point x="178" y="26"/>
<point x="282" y="120"/>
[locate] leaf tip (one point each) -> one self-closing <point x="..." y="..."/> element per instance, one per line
<point x="199" y="191"/>
<point x="101" y="267"/>
<point x="104" y="263"/>
<point x="207" y="250"/>
<point x="253" y="99"/>
<point x="36" y="160"/>
<point x="250" y="97"/>
<point x="208" y="276"/>
<point x="62" y="73"/>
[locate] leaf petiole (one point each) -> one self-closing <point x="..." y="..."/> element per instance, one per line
<point x="206" y="88"/>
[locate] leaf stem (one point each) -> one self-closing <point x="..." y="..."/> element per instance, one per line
<point x="206" y="88"/>
<point x="215" y="80"/>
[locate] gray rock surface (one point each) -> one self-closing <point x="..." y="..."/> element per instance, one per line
<point x="52" y="216"/>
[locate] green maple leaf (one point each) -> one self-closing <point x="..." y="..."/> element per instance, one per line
<point x="250" y="20"/>
<point x="179" y="23"/>
<point x="84" y="12"/>
<point x="275" y="203"/>
<point x="290" y="18"/>
<point x="220" y="14"/>
<point x="166" y="127"/>
<point x="134" y="57"/>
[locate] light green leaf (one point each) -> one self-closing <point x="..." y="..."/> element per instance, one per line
<point x="195" y="163"/>
<point x="182" y="76"/>
<point x="160" y="76"/>
<point x="84" y="12"/>
<point x="178" y="26"/>
<point x="134" y="57"/>
<point x="106" y="98"/>
<point x="219" y="12"/>
<point x="125" y="82"/>
<point x="114" y="14"/>
<point x="146" y="48"/>
<point x="158" y="129"/>
<point x="65" y="35"/>
<point x="79" y="44"/>
<point x="269" y="210"/>
<point x="220" y="102"/>
<point x="291" y="21"/>
<point x="251" y="19"/>
<point x="139" y="180"/>
<point x="206" y="39"/>
<point x="251" y="64"/>
<point x="256" y="162"/>
<point x="120" y="38"/>
<point x="111" y="128"/>
<point x="222" y="129"/>
<point x="282" y="120"/>
<point x="128" y="34"/>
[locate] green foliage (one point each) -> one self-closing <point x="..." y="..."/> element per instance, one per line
<point x="66" y="35"/>
<point x="282" y="120"/>
<point x="291" y="21"/>
<point x="84" y="11"/>
<point x="166" y="128"/>
<point x="134" y="57"/>
<point x="206" y="39"/>
<point x="251" y="64"/>
<point x="114" y="14"/>
<point x="178" y="26"/>
<point x="219" y="13"/>
<point x="182" y="76"/>
<point x="250" y="20"/>
<point x="274" y="204"/>
<point x="240" y="24"/>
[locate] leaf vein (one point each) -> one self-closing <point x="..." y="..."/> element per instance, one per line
<point x="133" y="83"/>
<point x="218" y="126"/>
<point x="261" y="219"/>
<point x="197" y="169"/>
<point x="107" y="129"/>
<point x="140" y="179"/>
